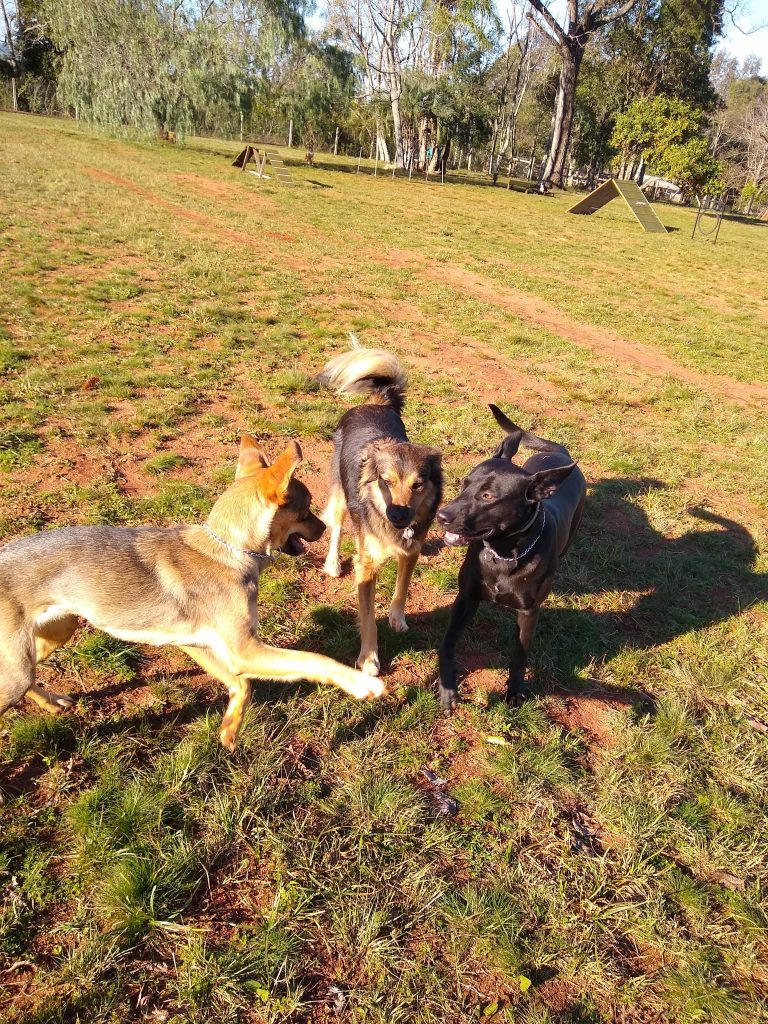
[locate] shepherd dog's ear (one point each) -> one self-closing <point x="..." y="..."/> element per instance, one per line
<point x="251" y="458"/>
<point x="278" y="476"/>
<point x="509" y="446"/>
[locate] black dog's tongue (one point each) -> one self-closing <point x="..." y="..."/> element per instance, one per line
<point x="455" y="538"/>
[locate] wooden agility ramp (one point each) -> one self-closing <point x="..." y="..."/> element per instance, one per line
<point x="252" y="153"/>
<point x="630" y="192"/>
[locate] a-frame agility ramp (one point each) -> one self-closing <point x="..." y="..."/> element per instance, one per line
<point x="632" y="196"/>
<point x="251" y="153"/>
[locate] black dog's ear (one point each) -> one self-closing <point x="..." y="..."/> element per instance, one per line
<point x="508" y="447"/>
<point x="544" y="483"/>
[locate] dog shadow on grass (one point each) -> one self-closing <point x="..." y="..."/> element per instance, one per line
<point x="635" y="587"/>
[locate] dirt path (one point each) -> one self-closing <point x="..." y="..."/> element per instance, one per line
<point x="600" y="340"/>
<point x="526" y="307"/>
<point x="199" y="219"/>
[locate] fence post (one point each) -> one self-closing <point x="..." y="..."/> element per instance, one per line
<point x="290" y="134"/>
<point x="336" y="143"/>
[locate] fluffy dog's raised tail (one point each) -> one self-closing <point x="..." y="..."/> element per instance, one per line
<point x="366" y="371"/>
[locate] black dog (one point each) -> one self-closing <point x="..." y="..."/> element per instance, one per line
<point x="518" y="523"/>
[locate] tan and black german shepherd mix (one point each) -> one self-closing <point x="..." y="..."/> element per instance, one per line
<point x="193" y="587"/>
<point x="390" y="487"/>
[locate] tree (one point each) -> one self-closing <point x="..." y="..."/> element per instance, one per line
<point x="381" y="32"/>
<point x="154" y="64"/>
<point x="583" y="19"/>
<point x="509" y="81"/>
<point x="12" y="58"/>
<point x="670" y="134"/>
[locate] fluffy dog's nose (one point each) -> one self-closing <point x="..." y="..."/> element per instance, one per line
<point x="398" y="514"/>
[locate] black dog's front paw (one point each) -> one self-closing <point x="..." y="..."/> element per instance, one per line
<point x="449" y="698"/>
<point x="515" y="693"/>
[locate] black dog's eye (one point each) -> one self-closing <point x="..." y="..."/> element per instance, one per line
<point x="487" y="496"/>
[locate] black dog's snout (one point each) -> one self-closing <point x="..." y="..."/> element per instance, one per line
<point x="398" y="515"/>
<point x="443" y="517"/>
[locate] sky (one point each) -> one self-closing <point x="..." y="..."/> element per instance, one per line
<point x="753" y="15"/>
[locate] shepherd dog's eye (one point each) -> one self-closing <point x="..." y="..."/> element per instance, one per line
<point x="487" y="496"/>
<point x="417" y="484"/>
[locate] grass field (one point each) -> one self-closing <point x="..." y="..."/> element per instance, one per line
<point x="609" y="859"/>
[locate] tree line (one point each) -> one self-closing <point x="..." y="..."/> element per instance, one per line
<point x="544" y="90"/>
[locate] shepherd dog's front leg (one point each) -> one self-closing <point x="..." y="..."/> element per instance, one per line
<point x="238" y="687"/>
<point x="261" y="661"/>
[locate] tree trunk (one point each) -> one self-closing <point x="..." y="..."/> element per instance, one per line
<point x="397" y="125"/>
<point x="554" y="169"/>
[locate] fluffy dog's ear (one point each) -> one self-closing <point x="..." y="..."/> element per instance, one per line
<point x="369" y="465"/>
<point x="278" y="475"/>
<point x="251" y="458"/>
<point x="544" y="483"/>
<point x="508" y="447"/>
<point x="435" y="463"/>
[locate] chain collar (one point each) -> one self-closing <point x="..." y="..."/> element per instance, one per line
<point x="240" y="552"/>
<point x="516" y="559"/>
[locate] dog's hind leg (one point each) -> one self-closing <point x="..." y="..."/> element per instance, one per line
<point x="405" y="566"/>
<point x="48" y="637"/>
<point x="333" y="517"/>
<point x="238" y="687"/>
<point x="526" y="627"/>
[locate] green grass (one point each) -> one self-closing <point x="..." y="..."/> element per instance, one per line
<point x="608" y="860"/>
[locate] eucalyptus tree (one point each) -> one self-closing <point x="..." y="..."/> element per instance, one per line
<point x="583" y="18"/>
<point x="454" y="46"/>
<point x="510" y="79"/>
<point x="384" y="35"/>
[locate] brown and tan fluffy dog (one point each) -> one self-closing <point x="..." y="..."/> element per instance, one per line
<point x="390" y="487"/>
<point x="193" y="587"/>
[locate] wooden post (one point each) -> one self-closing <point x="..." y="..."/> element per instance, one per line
<point x="336" y="142"/>
<point x="360" y="157"/>
<point x="529" y="173"/>
<point x="469" y="163"/>
<point x="290" y="133"/>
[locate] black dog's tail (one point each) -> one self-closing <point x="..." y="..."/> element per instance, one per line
<point x="517" y="436"/>
<point x="369" y="371"/>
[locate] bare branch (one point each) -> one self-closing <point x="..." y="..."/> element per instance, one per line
<point x="556" y="30"/>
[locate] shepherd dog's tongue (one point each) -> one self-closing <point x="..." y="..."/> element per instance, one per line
<point x="294" y="545"/>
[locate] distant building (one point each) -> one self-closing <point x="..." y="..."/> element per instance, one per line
<point x="661" y="188"/>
